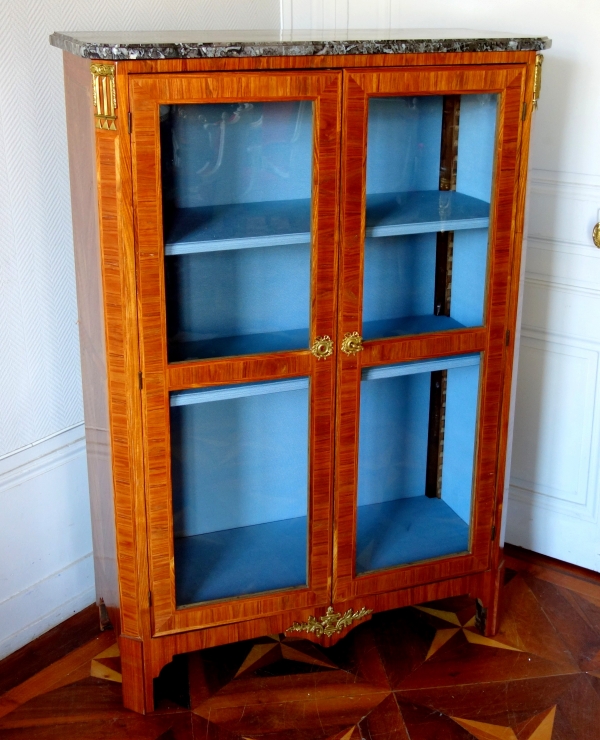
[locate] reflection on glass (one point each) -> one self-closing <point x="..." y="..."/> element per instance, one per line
<point x="240" y="489"/>
<point x="236" y="188"/>
<point x="417" y="436"/>
<point x="429" y="182"/>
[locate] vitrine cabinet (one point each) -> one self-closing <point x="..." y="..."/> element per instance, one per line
<point x="298" y="276"/>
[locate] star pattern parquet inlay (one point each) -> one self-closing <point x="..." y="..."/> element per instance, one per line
<point x="420" y="673"/>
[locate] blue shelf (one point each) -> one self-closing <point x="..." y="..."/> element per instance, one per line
<point x="238" y="226"/>
<point x="280" y="222"/>
<point x="242" y="390"/>
<point x="406" y="325"/>
<point x="406" y="531"/>
<point x="420" y="366"/>
<point x="237" y="562"/>
<point x="423" y="211"/>
<point x="245" y="344"/>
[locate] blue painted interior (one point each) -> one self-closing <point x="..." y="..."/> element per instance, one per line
<point x="239" y="301"/>
<point x="238" y="226"/>
<point x="406" y="531"/>
<point x="377" y="372"/>
<point x="462" y="393"/>
<point x="404" y="137"/>
<point x="403" y="144"/>
<point x="237" y="175"/>
<point x="239" y="461"/>
<point x="392" y="451"/>
<point x="239" y="465"/>
<point x="422" y="211"/>
<point x="399" y="273"/>
<point x="247" y="560"/>
<point x="476" y="145"/>
<point x="469" y="272"/>
<point x="222" y="153"/>
<point x="239" y="390"/>
<point x="392" y="459"/>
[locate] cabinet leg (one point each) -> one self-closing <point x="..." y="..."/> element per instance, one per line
<point x="489" y="602"/>
<point x="137" y="695"/>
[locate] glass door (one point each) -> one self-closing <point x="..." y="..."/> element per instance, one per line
<point x="423" y="293"/>
<point x="236" y="180"/>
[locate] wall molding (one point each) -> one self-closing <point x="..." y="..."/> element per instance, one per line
<point x="49" y="601"/>
<point x="563" y="285"/>
<point x="548" y="497"/>
<point x="40" y="457"/>
<point x="585" y="184"/>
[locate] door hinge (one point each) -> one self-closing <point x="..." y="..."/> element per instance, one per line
<point x="507" y="337"/>
<point x="537" y="79"/>
<point x="129" y="121"/>
<point x="149" y="598"/>
<point x="493" y="532"/>
<point x="523" y="114"/>
<point x="141" y="381"/>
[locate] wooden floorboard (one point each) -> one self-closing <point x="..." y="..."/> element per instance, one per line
<point x="49" y="647"/>
<point x="420" y="673"/>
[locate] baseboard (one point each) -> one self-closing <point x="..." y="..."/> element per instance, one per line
<point x="49" y="647"/>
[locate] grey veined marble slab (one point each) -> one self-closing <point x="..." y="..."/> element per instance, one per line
<point x="125" y="45"/>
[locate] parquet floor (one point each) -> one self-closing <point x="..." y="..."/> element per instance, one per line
<point x="420" y="673"/>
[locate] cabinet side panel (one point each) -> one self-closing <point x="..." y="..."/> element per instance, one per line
<point x="86" y="238"/>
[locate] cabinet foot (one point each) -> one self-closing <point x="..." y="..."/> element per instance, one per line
<point x="488" y="602"/>
<point x="138" y="693"/>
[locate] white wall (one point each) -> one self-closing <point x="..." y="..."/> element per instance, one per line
<point x="46" y="570"/>
<point x="554" y="504"/>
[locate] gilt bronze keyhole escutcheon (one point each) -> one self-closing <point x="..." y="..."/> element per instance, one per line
<point x="352" y="343"/>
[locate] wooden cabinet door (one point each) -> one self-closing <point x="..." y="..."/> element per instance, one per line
<point x="430" y="163"/>
<point x="236" y="186"/>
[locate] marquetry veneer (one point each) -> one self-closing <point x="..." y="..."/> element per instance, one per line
<point x="117" y="216"/>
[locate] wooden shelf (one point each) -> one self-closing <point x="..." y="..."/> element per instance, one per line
<point x="245" y="560"/>
<point x="424" y="211"/>
<point x="224" y="393"/>
<point x="423" y="366"/>
<point x="405" y="325"/>
<point x="276" y="223"/>
<point x="406" y="531"/>
<point x="244" y="344"/>
<point x="238" y="226"/>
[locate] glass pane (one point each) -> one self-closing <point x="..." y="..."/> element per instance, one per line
<point x="417" y="436"/>
<point x="430" y="166"/>
<point x="236" y="187"/>
<point x="240" y="489"/>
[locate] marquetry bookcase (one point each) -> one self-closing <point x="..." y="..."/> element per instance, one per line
<point x="298" y="279"/>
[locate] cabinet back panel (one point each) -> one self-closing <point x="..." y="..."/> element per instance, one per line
<point x="476" y="145"/>
<point x="240" y="461"/>
<point x="238" y="292"/>
<point x="218" y="153"/>
<point x="392" y="455"/>
<point x="399" y="276"/>
<point x="469" y="268"/>
<point x="394" y="440"/>
<point x="462" y="395"/>
<point x="403" y="143"/>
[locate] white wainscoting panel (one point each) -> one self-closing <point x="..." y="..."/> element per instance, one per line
<point x="556" y="412"/>
<point x="554" y="505"/>
<point x="46" y="565"/>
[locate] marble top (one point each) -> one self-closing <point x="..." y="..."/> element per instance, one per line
<point x="124" y="45"/>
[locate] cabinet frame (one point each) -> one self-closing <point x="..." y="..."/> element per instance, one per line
<point x="359" y="87"/>
<point x="107" y="265"/>
<point x="161" y="377"/>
